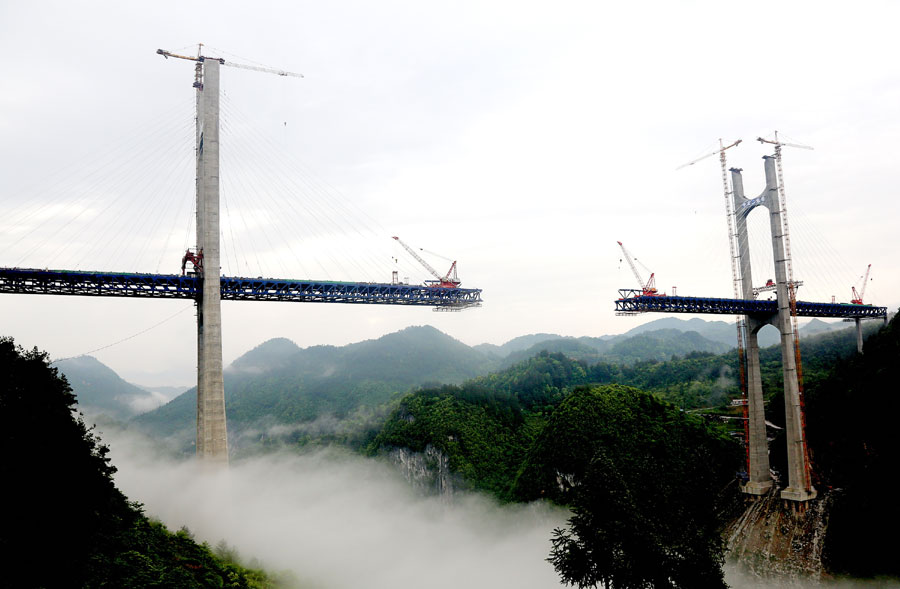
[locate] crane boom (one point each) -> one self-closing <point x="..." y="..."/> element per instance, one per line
<point x="168" y="54"/>
<point x="449" y="280"/>
<point x="243" y="66"/>
<point x="257" y="68"/>
<point x="780" y="143"/>
<point x="858" y="296"/>
<point x="648" y="289"/>
<point x="718" y="152"/>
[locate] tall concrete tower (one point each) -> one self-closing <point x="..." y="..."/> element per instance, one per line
<point x="212" y="436"/>
<point x="760" y="478"/>
<point x="799" y="486"/>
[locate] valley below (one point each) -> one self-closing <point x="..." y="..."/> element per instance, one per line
<point x="338" y="520"/>
<point x="414" y="460"/>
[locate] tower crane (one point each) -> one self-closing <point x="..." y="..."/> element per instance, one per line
<point x="648" y="289"/>
<point x="858" y="296"/>
<point x="448" y="280"/>
<point x="198" y="82"/>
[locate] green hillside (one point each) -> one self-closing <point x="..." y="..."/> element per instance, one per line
<point x="852" y="435"/>
<point x="278" y="383"/>
<point x="514" y="404"/>
<point x="69" y="525"/>
<point x="99" y="389"/>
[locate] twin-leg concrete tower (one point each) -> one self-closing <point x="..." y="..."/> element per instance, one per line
<point x="760" y="480"/>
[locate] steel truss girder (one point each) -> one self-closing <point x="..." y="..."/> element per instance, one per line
<point x="173" y="286"/>
<point x="674" y="304"/>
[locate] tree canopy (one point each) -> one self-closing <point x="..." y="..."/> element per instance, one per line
<point x="649" y="487"/>
<point x="64" y="523"/>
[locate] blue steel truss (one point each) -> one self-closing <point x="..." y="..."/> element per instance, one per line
<point x="632" y="302"/>
<point x="173" y="286"/>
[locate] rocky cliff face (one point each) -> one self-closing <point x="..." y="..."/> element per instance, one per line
<point x="779" y="543"/>
<point x="428" y="471"/>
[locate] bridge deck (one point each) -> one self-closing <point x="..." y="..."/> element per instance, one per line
<point x="636" y="303"/>
<point x="173" y="286"/>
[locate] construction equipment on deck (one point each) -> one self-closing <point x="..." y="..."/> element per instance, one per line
<point x="648" y="289"/>
<point x="858" y="296"/>
<point x="448" y="280"/>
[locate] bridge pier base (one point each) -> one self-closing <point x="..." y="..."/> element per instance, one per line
<point x="757" y="488"/>
<point x="799" y="494"/>
<point x="859" y="338"/>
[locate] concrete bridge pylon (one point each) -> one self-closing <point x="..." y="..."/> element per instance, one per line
<point x="760" y="481"/>
<point x="212" y="436"/>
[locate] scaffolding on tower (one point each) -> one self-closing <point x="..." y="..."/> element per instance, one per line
<point x="792" y="294"/>
<point x="736" y="279"/>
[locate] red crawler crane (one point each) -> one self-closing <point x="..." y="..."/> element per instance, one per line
<point x="448" y="280"/>
<point x="858" y="296"/>
<point x="648" y="289"/>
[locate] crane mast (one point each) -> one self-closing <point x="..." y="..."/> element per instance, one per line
<point x="449" y="280"/>
<point x="737" y="282"/>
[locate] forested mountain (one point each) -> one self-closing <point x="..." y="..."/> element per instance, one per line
<point x="517" y="344"/>
<point x="513" y="404"/>
<point x="650" y="487"/>
<point x="337" y="393"/>
<point x="851" y="425"/>
<point x="539" y="430"/>
<point x="579" y="348"/>
<point x="637" y="471"/>
<point x="282" y="371"/>
<point x="100" y="390"/>
<point x="720" y="331"/>
<point x="655" y="345"/>
<point x="724" y="332"/>
<point x="572" y="430"/>
<point x="278" y="383"/>
<point x="662" y="344"/>
<point x="65" y="523"/>
<point x="273" y="354"/>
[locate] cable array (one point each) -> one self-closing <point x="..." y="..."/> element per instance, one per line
<point x="109" y="210"/>
<point x="125" y="210"/>
<point x="297" y="223"/>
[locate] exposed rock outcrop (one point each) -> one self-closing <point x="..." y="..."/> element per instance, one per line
<point x="778" y="542"/>
<point x="428" y="471"/>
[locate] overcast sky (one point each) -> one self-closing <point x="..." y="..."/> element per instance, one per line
<point x="522" y="139"/>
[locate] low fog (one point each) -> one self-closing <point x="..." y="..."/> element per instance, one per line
<point x="338" y="520"/>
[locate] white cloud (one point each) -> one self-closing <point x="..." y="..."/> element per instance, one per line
<point x="341" y="521"/>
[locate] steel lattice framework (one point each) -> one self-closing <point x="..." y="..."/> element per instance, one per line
<point x="173" y="286"/>
<point x="633" y="302"/>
